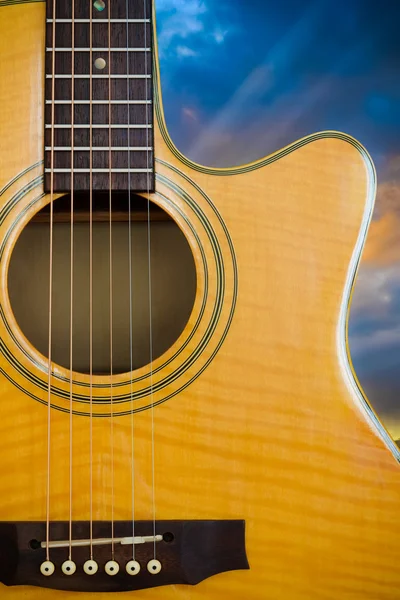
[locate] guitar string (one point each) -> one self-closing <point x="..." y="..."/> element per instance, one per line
<point x="91" y="276"/>
<point x="71" y="314"/>
<point x="110" y="283"/>
<point x="49" y="367"/>
<point x="130" y="287"/>
<point x="153" y="499"/>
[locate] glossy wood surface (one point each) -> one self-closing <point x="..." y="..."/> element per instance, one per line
<point x="271" y="431"/>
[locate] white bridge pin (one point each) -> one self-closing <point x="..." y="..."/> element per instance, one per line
<point x="47" y="568"/>
<point x="132" y="567"/>
<point x="90" y="567"/>
<point x="154" y="566"/>
<point x="68" y="567"/>
<point x="112" y="567"/>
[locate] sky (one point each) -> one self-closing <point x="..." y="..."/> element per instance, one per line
<point x="242" y="78"/>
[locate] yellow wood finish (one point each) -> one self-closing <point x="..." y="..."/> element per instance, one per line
<point x="271" y="431"/>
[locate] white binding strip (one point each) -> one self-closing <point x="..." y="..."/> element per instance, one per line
<point x="100" y="148"/>
<point x="99" y="76"/>
<point x="99" y="102"/>
<point x="341" y="332"/>
<point x="100" y="21"/>
<point x="99" y="49"/>
<point x="99" y="170"/>
<point x="96" y="126"/>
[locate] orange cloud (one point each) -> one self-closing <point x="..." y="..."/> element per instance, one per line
<point x="383" y="241"/>
<point x="387" y="198"/>
<point x="391" y="170"/>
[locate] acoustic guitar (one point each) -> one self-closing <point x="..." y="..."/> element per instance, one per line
<point x="179" y="414"/>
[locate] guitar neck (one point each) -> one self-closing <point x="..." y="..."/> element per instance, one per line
<point x="98" y="94"/>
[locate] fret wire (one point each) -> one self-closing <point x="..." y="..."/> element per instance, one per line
<point x="100" y="21"/>
<point x="57" y="170"/>
<point x="100" y="126"/>
<point x="99" y="49"/>
<point x="147" y="76"/>
<point x="99" y="102"/>
<point x="100" y="148"/>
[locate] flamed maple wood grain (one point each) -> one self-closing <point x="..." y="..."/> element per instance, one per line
<point x="271" y="431"/>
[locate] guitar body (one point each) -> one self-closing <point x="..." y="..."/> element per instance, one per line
<point x="257" y="414"/>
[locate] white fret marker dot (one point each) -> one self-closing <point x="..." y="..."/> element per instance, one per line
<point x="47" y="568"/>
<point x="99" y="5"/>
<point x="154" y="566"/>
<point x="100" y="63"/>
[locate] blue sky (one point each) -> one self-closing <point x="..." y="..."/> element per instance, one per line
<point x="242" y="78"/>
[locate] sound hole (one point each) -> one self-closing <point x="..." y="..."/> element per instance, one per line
<point x="173" y="283"/>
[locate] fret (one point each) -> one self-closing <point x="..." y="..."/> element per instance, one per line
<point x="136" y="34"/>
<point x="112" y="170"/>
<point x="121" y="114"/>
<point x="99" y="148"/>
<point x="139" y="182"/>
<point x="98" y="126"/>
<point x="100" y="91"/>
<point x="120" y="62"/>
<point x="100" y="137"/>
<point x="83" y="159"/>
<point x="98" y="49"/>
<point x="136" y="10"/>
<point x="84" y="76"/>
<point x="99" y="20"/>
<point x="96" y="102"/>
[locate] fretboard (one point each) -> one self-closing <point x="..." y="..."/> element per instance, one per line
<point x="99" y="121"/>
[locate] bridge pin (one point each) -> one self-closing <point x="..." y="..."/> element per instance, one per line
<point x="132" y="567"/>
<point x="112" y="567"/>
<point x="68" y="567"/>
<point x="90" y="567"/>
<point x="47" y="568"/>
<point x="154" y="566"/>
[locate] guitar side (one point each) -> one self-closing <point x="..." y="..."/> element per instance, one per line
<point x="268" y="426"/>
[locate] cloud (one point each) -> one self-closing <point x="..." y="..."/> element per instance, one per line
<point x="278" y="112"/>
<point x="382" y="248"/>
<point x="219" y="35"/>
<point x="374" y="291"/>
<point x="374" y="325"/>
<point x="185" y="51"/>
<point x="387" y="198"/>
<point x="187" y="21"/>
<point x="381" y="340"/>
<point x="378" y="281"/>
<point x="215" y="133"/>
<point x="179" y="19"/>
<point x="383" y="242"/>
<point x="391" y="169"/>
